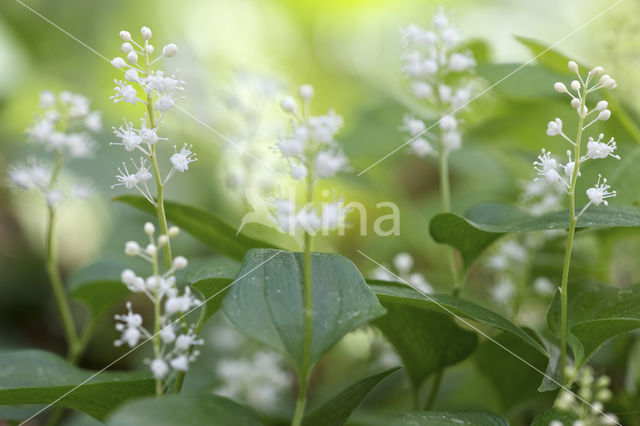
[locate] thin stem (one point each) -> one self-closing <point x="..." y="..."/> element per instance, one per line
<point x="308" y="315"/>
<point x="54" y="274"/>
<point x="567" y="255"/>
<point x="437" y="380"/>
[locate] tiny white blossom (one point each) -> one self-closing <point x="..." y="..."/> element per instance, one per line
<point x="124" y="92"/>
<point x="600" y="192"/>
<point x="180" y="160"/>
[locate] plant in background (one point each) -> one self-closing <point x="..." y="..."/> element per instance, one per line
<point x="552" y="171"/>
<point x="158" y="92"/>
<point x="403" y="264"/>
<point x="436" y="64"/>
<point x="62" y="127"/>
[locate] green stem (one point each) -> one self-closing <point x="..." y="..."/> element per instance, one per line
<point x="177" y="386"/>
<point x="54" y="274"/>
<point x="435" y="387"/>
<point x="564" y="296"/>
<point x="308" y="316"/>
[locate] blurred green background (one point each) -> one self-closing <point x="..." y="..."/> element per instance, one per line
<point x="351" y="52"/>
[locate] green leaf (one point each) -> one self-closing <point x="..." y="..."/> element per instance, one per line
<point x="98" y="286"/>
<point x="171" y="410"/>
<point x="266" y="302"/>
<point x="519" y="82"/>
<point x="404" y="295"/>
<point x="486" y="222"/>
<point x="445" y="418"/>
<point x="204" y="226"/>
<point x="426" y="340"/>
<point x="337" y="410"/>
<point x="39" y="377"/>
<point x="212" y="280"/>
<point x="565" y="417"/>
<point x="596" y="314"/>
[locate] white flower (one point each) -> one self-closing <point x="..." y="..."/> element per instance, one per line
<point x="421" y="147"/>
<point x="143" y="174"/>
<point x="291" y="147"/>
<point x="93" y="121"/>
<point x="547" y="167"/>
<point x="324" y="127"/>
<point x="403" y="262"/>
<point x="180" y="160"/>
<point x="164" y="103"/>
<point x="327" y="164"/>
<point x="554" y="128"/>
<point x="41" y="131"/>
<point x="413" y="125"/>
<point x="167" y="334"/>
<point x="452" y="141"/>
<point x="47" y="99"/>
<point x="333" y="215"/>
<point x="298" y="172"/>
<point x="124" y="92"/>
<point x="422" y="90"/>
<point x="448" y="122"/>
<point x="129" y="325"/>
<point x="79" y="145"/>
<point x="544" y="286"/>
<point x="598" y="149"/>
<point x="54" y="197"/>
<point x="419" y="282"/>
<point x="181" y="363"/>
<point x="459" y="62"/>
<point x="125" y="179"/>
<point x="170" y="50"/>
<point x="308" y="221"/>
<point x="600" y="192"/>
<point x="159" y="368"/>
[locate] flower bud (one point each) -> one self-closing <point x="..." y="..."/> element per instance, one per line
<point x="597" y="71"/>
<point x="573" y="67"/>
<point x="602" y="105"/>
<point x="127" y="276"/>
<point x="126" y="47"/>
<point x="149" y="229"/>
<point x="146" y="33"/>
<point x="179" y="263"/>
<point x="132" y="57"/>
<point x="151" y="249"/>
<point x="125" y="35"/>
<point x="174" y="231"/>
<point x="575" y="103"/>
<point x="149" y="49"/>
<point x="560" y="87"/>
<point x="118" y="62"/>
<point x="288" y="104"/>
<point x="306" y="92"/>
<point x="163" y="240"/>
<point x="575" y="85"/>
<point x="131" y="248"/>
<point x="131" y="75"/>
<point x="298" y="172"/>
<point x="170" y="50"/>
<point x="604" y="115"/>
<point x="610" y="84"/>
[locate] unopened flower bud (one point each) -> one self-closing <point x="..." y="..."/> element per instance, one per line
<point x="298" y="172"/>
<point x="126" y="47"/>
<point x="127" y="276"/>
<point x="575" y="85"/>
<point x="163" y="240"/>
<point x="288" y="104"/>
<point x="597" y="71"/>
<point x="575" y="103"/>
<point x="170" y="50"/>
<point x="149" y="229"/>
<point x="132" y="57"/>
<point x="179" y="263"/>
<point x="131" y="248"/>
<point x="151" y="249"/>
<point x="146" y="33"/>
<point x="306" y="92"/>
<point x="560" y="87"/>
<point x="604" y="115"/>
<point x="149" y="49"/>
<point x="125" y="35"/>
<point x="118" y="62"/>
<point x="602" y="105"/>
<point x="174" y="231"/>
<point x="131" y="75"/>
<point x="573" y="67"/>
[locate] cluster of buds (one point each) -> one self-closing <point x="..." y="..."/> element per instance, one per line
<point x="160" y="95"/>
<point x="549" y="168"/>
<point x="173" y="344"/>
<point x="436" y="65"/>
<point x="64" y="127"/>
<point x="312" y="153"/>
<point x="403" y="264"/>
<point x="593" y="393"/>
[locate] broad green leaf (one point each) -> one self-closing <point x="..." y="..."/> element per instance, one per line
<point x="337" y="410"/>
<point x="171" y="410"/>
<point x="39" y="377"/>
<point x="266" y="302"/>
<point x="204" y="226"/>
<point x="212" y="280"/>
<point x="519" y="82"/>
<point x="565" y="417"/>
<point x="426" y="340"/>
<point x="596" y="314"/>
<point x="486" y="222"/>
<point x="402" y="294"/>
<point x="445" y="418"/>
<point x="98" y="286"/>
<point x="557" y="62"/>
<point x="514" y="381"/>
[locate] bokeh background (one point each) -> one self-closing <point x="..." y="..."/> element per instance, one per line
<point x="238" y="59"/>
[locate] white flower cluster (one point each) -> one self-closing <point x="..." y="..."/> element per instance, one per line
<point x="160" y="93"/>
<point x="258" y="381"/>
<point x="436" y="64"/>
<point x="403" y="264"/>
<point x="52" y="130"/>
<point x="312" y="153"/>
<point x="594" y="391"/>
<point x="173" y="345"/>
<point x="549" y="168"/>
